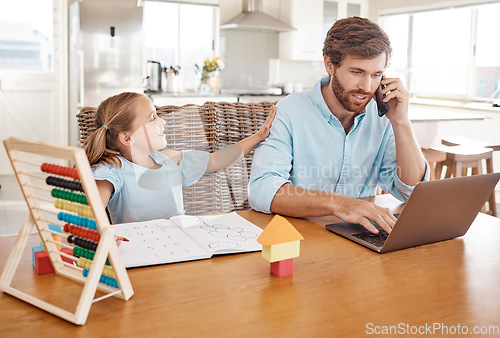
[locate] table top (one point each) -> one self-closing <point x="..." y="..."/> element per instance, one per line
<point x="440" y="115"/>
<point x="338" y="288"/>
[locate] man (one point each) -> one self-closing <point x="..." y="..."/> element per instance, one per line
<point x="328" y="145"/>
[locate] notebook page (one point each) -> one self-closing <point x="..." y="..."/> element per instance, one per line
<point x="222" y="234"/>
<point x="156" y="242"/>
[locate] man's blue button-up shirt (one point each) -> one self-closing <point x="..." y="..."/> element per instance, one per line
<point x="309" y="148"/>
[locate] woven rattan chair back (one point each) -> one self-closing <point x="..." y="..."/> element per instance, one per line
<point x="237" y="121"/>
<point x="193" y="127"/>
<point x="208" y="127"/>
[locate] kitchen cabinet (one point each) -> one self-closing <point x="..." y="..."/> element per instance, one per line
<point x="304" y="43"/>
<point x="312" y="19"/>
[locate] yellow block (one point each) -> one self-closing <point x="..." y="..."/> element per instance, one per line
<point x="279" y="252"/>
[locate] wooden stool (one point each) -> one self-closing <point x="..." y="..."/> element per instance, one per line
<point x="433" y="157"/>
<point x="463" y="140"/>
<point x="460" y="158"/>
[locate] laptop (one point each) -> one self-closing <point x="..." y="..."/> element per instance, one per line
<point x="437" y="210"/>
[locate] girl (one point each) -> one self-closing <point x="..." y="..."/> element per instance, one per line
<point x="138" y="179"/>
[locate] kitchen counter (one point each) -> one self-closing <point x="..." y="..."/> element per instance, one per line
<point x="470" y="106"/>
<point x="162" y="99"/>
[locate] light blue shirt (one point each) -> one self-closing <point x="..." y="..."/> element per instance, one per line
<point x="309" y="148"/>
<point x="142" y="194"/>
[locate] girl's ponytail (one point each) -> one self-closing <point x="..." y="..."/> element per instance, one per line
<point x="95" y="148"/>
<point x="113" y="116"/>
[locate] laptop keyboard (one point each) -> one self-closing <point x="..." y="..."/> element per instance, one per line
<point x="375" y="239"/>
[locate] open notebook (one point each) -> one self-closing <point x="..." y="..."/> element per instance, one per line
<point x="185" y="238"/>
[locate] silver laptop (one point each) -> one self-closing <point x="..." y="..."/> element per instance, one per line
<point x="436" y="211"/>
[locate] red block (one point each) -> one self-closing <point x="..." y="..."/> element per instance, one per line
<point x="282" y="268"/>
<point x="42" y="261"/>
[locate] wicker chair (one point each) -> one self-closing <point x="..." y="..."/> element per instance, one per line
<point x="208" y="127"/>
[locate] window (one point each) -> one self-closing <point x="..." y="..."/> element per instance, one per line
<point x="440" y="51"/>
<point x="487" y="63"/>
<point x="447" y="53"/>
<point x="26" y="35"/>
<point x="397" y="27"/>
<point x="180" y="35"/>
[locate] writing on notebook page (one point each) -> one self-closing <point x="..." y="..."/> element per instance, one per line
<point x="233" y="234"/>
<point x="183" y="238"/>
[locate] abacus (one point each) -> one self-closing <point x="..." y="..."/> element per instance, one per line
<point x="95" y="262"/>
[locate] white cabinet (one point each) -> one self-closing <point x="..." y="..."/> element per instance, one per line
<point x="312" y="19"/>
<point x="304" y="43"/>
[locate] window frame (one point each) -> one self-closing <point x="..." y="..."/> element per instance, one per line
<point x="471" y="91"/>
<point x="215" y="50"/>
<point x="59" y="48"/>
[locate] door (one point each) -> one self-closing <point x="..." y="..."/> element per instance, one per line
<point x="33" y="95"/>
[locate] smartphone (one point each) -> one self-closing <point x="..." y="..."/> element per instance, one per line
<point x="383" y="107"/>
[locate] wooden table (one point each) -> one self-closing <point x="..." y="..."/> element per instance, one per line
<point x="338" y="289"/>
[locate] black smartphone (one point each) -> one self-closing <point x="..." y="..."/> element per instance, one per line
<point x="383" y="107"/>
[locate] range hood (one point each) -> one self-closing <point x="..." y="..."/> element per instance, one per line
<point x="253" y="19"/>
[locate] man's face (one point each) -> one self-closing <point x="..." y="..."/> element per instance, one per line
<point x="354" y="82"/>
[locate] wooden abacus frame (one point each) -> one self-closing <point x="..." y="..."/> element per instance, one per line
<point x="107" y="245"/>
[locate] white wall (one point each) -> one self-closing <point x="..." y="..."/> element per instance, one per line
<point x="247" y="54"/>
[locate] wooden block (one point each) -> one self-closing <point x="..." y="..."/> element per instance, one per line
<point x="54" y="227"/>
<point x="282" y="268"/>
<point x="57" y="238"/>
<point x="279" y="252"/>
<point x="36" y="249"/>
<point x="42" y="262"/>
<point x="69" y="252"/>
<point x="277" y="231"/>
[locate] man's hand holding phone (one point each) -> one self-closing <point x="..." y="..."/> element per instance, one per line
<point x="397" y="98"/>
<point x="379" y="97"/>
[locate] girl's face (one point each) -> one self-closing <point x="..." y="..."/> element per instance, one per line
<point x="148" y="128"/>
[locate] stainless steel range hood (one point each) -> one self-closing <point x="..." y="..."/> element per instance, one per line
<point x="253" y="19"/>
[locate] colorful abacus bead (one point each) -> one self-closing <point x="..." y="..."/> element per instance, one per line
<point x="85" y="253"/>
<point x="62" y="183"/>
<point x="67" y="195"/>
<point x="78" y="220"/>
<point x="108" y="271"/>
<point x="87" y="264"/>
<point x="59" y="170"/>
<point x="84" y="263"/>
<point x="83" y="242"/>
<point x="103" y="279"/>
<point x="80" y="231"/>
<point x="83" y="210"/>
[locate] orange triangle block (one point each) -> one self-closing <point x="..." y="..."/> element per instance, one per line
<point x="278" y="231"/>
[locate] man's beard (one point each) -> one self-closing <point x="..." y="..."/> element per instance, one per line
<point x="343" y="96"/>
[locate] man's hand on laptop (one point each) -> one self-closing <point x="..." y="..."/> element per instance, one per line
<point x="362" y="212"/>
